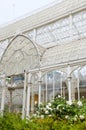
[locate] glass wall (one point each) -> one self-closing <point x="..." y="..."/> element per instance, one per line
<point x="53" y="83"/>
<point x="79" y="82"/>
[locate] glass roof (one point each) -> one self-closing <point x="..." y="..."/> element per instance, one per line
<point x="59" y="31"/>
<point x="56" y="33"/>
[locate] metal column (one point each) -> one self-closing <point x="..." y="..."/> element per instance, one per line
<point x="24" y="95"/>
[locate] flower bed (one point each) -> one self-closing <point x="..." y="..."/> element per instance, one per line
<point x="59" y="108"/>
<point x="58" y="114"/>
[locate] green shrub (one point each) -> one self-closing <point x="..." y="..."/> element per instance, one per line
<point x="58" y="114"/>
<point x="59" y="108"/>
<point x="11" y="122"/>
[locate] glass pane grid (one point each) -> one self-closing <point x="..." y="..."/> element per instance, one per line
<point x="59" y="31"/>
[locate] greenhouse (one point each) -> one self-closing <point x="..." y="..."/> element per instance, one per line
<point x="43" y="55"/>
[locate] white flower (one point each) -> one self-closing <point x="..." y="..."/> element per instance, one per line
<point x="75" y="119"/>
<point x="66" y="117"/>
<point x="59" y="96"/>
<point x="42" y="116"/>
<point x="82" y="96"/>
<point x="51" y="109"/>
<point x="69" y="102"/>
<point x="46" y="112"/>
<point x="79" y="103"/>
<point x="82" y="117"/>
<point x="49" y="104"/>
<point x="50" y="115"/>
<point x="76" y="116"/>
<point x="48" y="108"/>
<point x="57" y="107"/>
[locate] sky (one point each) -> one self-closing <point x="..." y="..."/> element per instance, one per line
<point x="13" y="9"/>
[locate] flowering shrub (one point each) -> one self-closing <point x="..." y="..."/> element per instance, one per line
<point x="58" y="114"/>
<point x="59" y="108"/>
